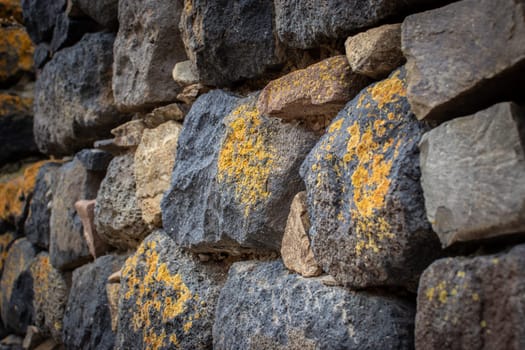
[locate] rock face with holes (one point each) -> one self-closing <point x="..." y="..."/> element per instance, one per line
<point x="473" y="302"/>
<point x="167" y="297"/>
<point x="236" y="172"/>
<point x="369" y="226"/>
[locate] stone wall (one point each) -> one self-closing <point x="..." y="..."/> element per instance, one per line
<point x="257" y="174"/>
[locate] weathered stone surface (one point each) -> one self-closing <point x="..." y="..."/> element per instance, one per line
<point x="16" y="302"/>
<point x="295" y="249"/>
<point x="87" y="319"/>
<point x="104" y="12"/>
<point x="168" y="297"/>
<point x="166" y="113"/>
<point x="40" y="17"/>
<point x="488" y="70"/>
<point x="147" y="47"/>
<point x="41" y="55"/>
<point x="94" y="159"/>
<point x="365" y="201"/>
<point x="474" y="303"/>
<point x="229" y="41"/>
<point x="112" y="292"/>
<point x="11" y="8"/>
<point x="16" y="128"/>
<point x="68" y="31"/>
<point x="6" y="240"/>
<point x="376" y="52"/>
<point x="154" y="161"/>
<point x="263" y="306"/>
<point x="190" y="93"/>
<point x="235" y="178"/>
<point x="86" y="212"/>
<point x="184" y="73"/>
<point x="472" y="175"/>
<point x="128" y="135"/>
<point x="318" y="91"/>
<point x="67" y="246"/>
<point x="73" y="98"/>
<point x="50" y="292"/>
<point x="118" y="218"/>
<point x="36" y="227"/>
<point x="16" y="51"/>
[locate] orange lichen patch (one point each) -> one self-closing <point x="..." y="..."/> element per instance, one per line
<point x="390" y="90"/>
<point x="17" y="51"/>
<point x="13" y="104"/>
<point x="335" y="126"/>
<point x="5" y="241"/>
<point x="246" y="157"/>
<point x="11" y="8"/>
<point x="17" y="263"/>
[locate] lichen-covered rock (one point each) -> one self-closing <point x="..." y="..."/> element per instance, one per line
<point x="67" y="246"/>
<point x="16" y="302"/>
<point x="40" y="17"/>
<point x="104" y="12"/>
<point x="476" y="75"/>
<point x="167" y="298"/>
<point x="147" y="47"/>
<point x="118" y="218"/>
<point x="87" y="319"/>
<point x="263" y="306"/>
<point x="16" y="52"/>
<point x="472" y="175"/>
<point x="365" y="201"/>
<point x="6" y="240"/>
<point x="11" y="8"/>
<point x="229" y="41"/>
<point x="320" y="90"/>
<point x="154" y="161"/>
<point x="234" y="178"/>
<point x="376" y="52"/>
<point x="474" y="303"/>
<point x="74" y="103"/>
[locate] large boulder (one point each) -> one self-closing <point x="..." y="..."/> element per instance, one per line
<point x="474" y="303"/>
<point x="17" y="52"/>
<point x="263" y="306"/>
<point x="167" y="297"/>
<point x="235" y="176"/>
<point x="104" y="12"/>
<point x="74" y="103"/>
<point x="40" y="17"/>
<point x="463" y="57"/>
<point x="365" y="201"/>
<point x="147" y="47"/>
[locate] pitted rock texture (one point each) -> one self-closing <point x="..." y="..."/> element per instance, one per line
<point x="104" y="12"/>
<point x="17" y="52"/>
<point x="472" y="171"/>
<point x="40" y="17"/>
<point x="263" y="306"/>
<point x="476" y="75"/>
<point x="153" y="164"/>
<point x="118" y="218"/>
<point x="365" y="201"/>
<point x="87" y="319"/>
<point x="147" y="47"/>
<point x="474" y="303"/>
<point x="167" y="298"/>
<point x="74" y="103"/>
<point x="234" y="178"/>
<point x="321" y="90"/>
<point x="229" y="41"/>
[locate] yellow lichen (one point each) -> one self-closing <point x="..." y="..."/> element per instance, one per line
<point x="335" y="126"/>
<point x="17" y="49"/>
<point x="483" y="324"/>
<point x="430" y="293"/>
<point x="475" y="296"/>
<point x="5" y="240"/>
<point x="390" y="90"/>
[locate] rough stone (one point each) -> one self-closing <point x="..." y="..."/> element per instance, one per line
<point x="32" y="339"/>
<point x="163" y="114"/>
<point x="17" y="52"/>
<point x="67" y="246"/>
<point x="184" y="73"/>
<point x="147" y="47"/>
<point x="87" y="319"/>
<point x="296" y="252"/>
<point x="229" y="41"/>
<point x="36" y="227"/>
<point x="11" y="8"/>
<point x="472" y="171"/>
<point x="16" y="302"/>
<point x="74" y="103"/>
<point x="484" y="56"/>
<point x="128" y="135"/>
<point x="50" y="344"/>
<point x="6" y="240"/>
<point x="191" y="92"/>
<point x="475" y="302"/>
<point x="154" y="160"/>
<point x="376" y="52"/>
<point x="263" y="306"/>
<point x="41" y="55"/>
<point x="40" y="17"/>
<point x="86" y="212"/>
<point x="118" y="218"/>
<point x="94" y="159"/>
<point x="365" y="201"/>
<point x="113" y="291"/>
<point x="104" y="12"/>
<point x="167" y="298"/>
<point x="68" y="31"/>
<point x="235" y="178"/>
<point x="318" y="91"/>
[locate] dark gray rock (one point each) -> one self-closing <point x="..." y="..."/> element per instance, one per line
<point x="41" y="55"/>
<point x="474" y="303"/>
<point x="147" y="47"/>
<point x="87" y="319"/>
<point x="94" y="159"/>
<point x="73" y="98"/>
<point x="263" y="306"/>
<point x="36" y="227"/>
<point x="40" y="17"/>
<point x="104" y="12"/>
<point x="228" y="41"/>
<point x="462" y="57"/>
<point x="68" y="31"/>
<point x="472" y="175"/>
<point x="234" y="178"/>
<point x="365" y="201"/>
<point x="167" y="297"/>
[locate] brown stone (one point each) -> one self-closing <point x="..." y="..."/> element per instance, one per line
<point x="49" y="344"/>
<point x="16" y="52"/>
<point x="190" y="93"/>
<point x="376" y="52"/>
<point x="115" y="277"/>
<point x="11" y="8"/>
<point x="32" y="339"/>
<point x="163" y="114"/>
<point x="128" y="134"/>
<point x="86" y="211"/>
<point x="112" y="291"/>
<point x="316" y="91"/>
<point x="295" y="249"/>
<point x="184" y="73"/>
